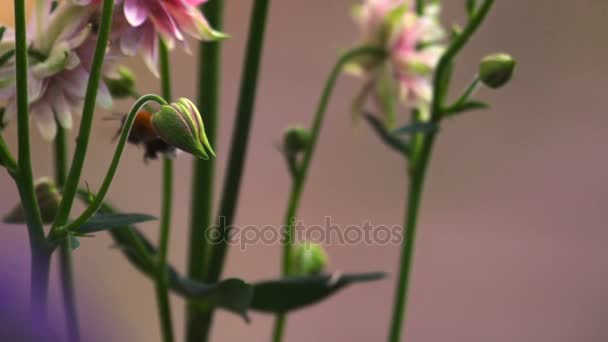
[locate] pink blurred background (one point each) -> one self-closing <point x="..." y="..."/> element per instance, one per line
<point x="513" y="227"/>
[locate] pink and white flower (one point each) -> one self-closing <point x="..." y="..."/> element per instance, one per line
<point x="411" y="42"/>
<point x="139" y="23"/>
<point x="58" y="71"/>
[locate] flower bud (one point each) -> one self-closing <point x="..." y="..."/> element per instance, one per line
<point x="296" y="139"/>
<point x="307" y="259"/>
<point x="496" y="70"/>
<point x="180" y="124"/>
<point x="121" y="83"/>
<point x="48" y="200"/>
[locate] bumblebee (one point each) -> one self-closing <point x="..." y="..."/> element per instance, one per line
<point x="143" y="133"/>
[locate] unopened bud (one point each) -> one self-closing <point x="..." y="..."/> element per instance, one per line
<point x="308" y="259"/>
<point x="48" y="200"/>
<point x="121" y="83"/>
<point x="496" y="70"/>
<point x="297" y="139"/>
<point x="181" y="125"/>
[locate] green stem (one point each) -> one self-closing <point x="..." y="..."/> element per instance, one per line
<point x="418" y="167"/>
<point x="6" y="158"/>
<point x="240" y="136"/>
<point x="105" y="186"/>
<point x="162" y="280"/>
<point x="40" y="254"/>
<point x="300" y="179"/>
<point x="66" y="271"/>
<point x="209" y="77"/>
<point x="420" y="7"/>
<point x="86" y="122"/>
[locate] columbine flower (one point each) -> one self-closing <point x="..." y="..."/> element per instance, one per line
<point x="58" y="71"/>
<point x="411" y="43"/>
<point x="139" y="23"/>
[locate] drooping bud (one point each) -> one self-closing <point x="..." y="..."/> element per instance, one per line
<point x="48" y="197"/>
<point x="307" y="259"/>
<point x="496" y="70"/>
<point x="296" y="139"/>
<point x="121" y="83"/>
<point x="181" y="125"/>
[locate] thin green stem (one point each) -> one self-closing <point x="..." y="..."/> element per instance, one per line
<point x="420" y="7"/>
<point x="6" y="158"/>
<point x="66" y="271"/>
<point x="86" y="122"/>
<point x="300" y="179"/>
<point x="105" y="186"/>
<point x="418" y="167"/>
<point x="279" y="328"/>
<point x="209" y="86"/>
<point x="162" y="280"/>
<point x="204" y="170"/>
<point x="40" y="254"/>
<point x="240" y="136"/>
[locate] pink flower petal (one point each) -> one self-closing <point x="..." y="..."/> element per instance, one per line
<point x="136" y="12"/>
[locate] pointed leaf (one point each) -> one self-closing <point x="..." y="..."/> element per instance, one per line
<point x="288" y="294"/>
<point x="468" y="106"/>
<point x="233" y="295"/>
<point x="389" y="139"/>
<point x="74" y="243"/>
<point x="419" y="127"/>
<point x="101" y="222"/>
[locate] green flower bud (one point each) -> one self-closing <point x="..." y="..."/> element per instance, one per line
<point x="121" y="83"/>
<point x="48" y="197"/>
<point x="307" y="259"/>
<point x="496" y="70"/>
<point x="180" y="124"/>
<point x="296" y="139"/>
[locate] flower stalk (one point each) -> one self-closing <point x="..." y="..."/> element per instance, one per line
<point x="301" y="174"/>
<point x="86" y="122"/>
<point x="66" y="271"/>
<point x="40" y="252"/>
<point x="162" y="280"/>
<point x="198" y="323"/>
<point x="418" y="163"/>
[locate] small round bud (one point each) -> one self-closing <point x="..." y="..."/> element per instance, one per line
<point x="48" y="200"/>
<point x="297" y="139"/>
<point x="307" y="259"/>
<point x="496" y="70"/>
<point x="121" y="83"/>
<point x="180" y="124"/>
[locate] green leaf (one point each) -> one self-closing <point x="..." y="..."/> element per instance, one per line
<point x="464" y="107"/>
<point x="418" y="127"/>
<point x="471" y="6"/>
<point x="101" y="222"/>
<point x="233" y="295"/>
<point x="74" y="243"/>
<point x="389" y="139"/>
<point x="288" y="294"/>
<point x="5" y="57"/>
<point x="2" y="31"/>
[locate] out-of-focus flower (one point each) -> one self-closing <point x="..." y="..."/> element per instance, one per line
<point x="121" y="82"/>
<point x="412" y="43"/>
<point x="59" y="68"/>
<point x="180" y="124"/>
<point x="139" y="23"/>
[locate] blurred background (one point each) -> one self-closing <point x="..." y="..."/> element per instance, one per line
<point x="513" y="225"/>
